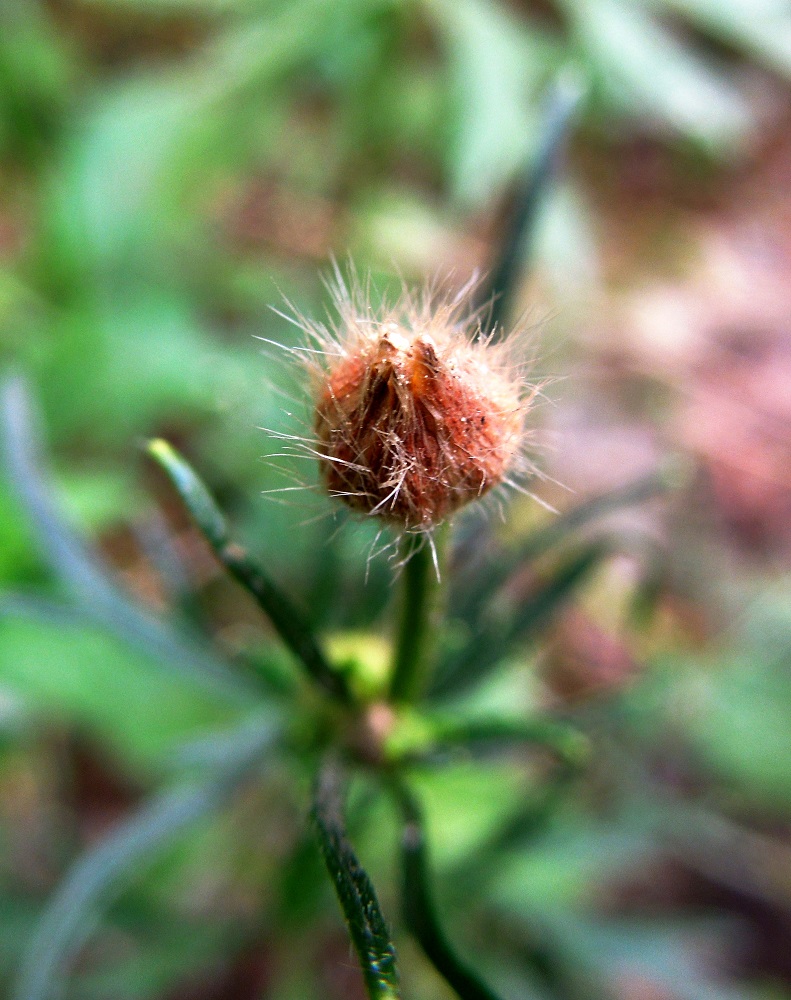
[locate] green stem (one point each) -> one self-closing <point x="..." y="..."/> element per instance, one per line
<point x="413" y="646"/>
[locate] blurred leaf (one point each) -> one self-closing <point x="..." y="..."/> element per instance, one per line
<point x="98" y="497"/>
<point x="84" y="573"/>
<point x="110" y="184"/>
<point x="498" y="628"/>
<point x="496" y="66"/>
<point x="35" y="74"/>
<point x="17" y="921"/>
<point x="663" y="955"/>
<point x="759" y="28"/>
<point x="169" y="956"/>
<point x="464" y="803"/>
<point x="437" y="733"/>
<point x="17" y="561"/>
<point x="735" y="706"/>
<point x="517" y="243"/>
<point x="642" y="68"/>
<point x="420" y="912"/>
<point x="169" y="8"/>
<point x="568" y="865"/>
<point x="560" y="529"/>
<point x="71" y="914"/>
<point x="90" y="679"/>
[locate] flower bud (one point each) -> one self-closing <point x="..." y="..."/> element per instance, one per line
<point x="415" y="414"/>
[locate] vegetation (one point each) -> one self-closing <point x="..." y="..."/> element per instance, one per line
<point x="560" y="772"/>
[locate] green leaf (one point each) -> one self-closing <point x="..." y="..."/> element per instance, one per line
<point x="760" y="28"/>
<point x="71" y="914"/>
<point x="562" y="528"/>
<point x="82" y="570"/>
<point x="168" y="955"/>
<point x="99" y="213"/>
<point x="356" y="894"/>
<point x="498" y="631"/>
<point x="290" y="625"/>
<point x="733" y="706"/>
<point x="568" y="744"/>
<point x="466" y="802"/>
<point x="169" y="8"/>
<point x="64" y="668"/>
<point x="643" y="69"/>
<point x="516" y="243"/>
<point x="570" y="862"/>
<point x="419" y="910"/>
<point x="495" y="62"/>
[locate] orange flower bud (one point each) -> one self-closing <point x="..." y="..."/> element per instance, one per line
<point x="415" y="414"/>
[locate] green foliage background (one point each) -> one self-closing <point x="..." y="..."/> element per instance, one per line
<point x="138" y="140"/>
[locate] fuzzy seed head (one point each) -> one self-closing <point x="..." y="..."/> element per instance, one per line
<point x="414" y="416"/>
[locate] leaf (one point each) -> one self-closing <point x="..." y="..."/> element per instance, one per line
<point x="516" y="244"/>
<point x="70" y="915"/>
<point x="467" y="801"/>
<point x="355" y="892"/>
<point x="495" y="634"/>
<point x="506" y="562"/>
<point x="566" y="867"/>
<point x="733" y="706"/>
<point x="669" y="957"/>
<point x="290" y="625"/>
<point x="83" y="571"/>
<point x="642" y="68"/>
<point x="168" y="956"/>
<point x="565" y="742"/>
<point x="419" y="910"/>
<point x="100" y="213"/>
<point x="170" y="8"/>
<point x="64" y="668"/>
<point x="760" y="28"/>
<point x="495" y="62"/>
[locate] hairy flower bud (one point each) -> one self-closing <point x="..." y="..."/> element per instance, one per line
<point x="415" y="415"/>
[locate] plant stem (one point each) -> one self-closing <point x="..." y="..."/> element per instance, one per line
<point x="420" y="592"/>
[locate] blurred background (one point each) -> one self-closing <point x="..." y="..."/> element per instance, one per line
<point x="171" y="169"/>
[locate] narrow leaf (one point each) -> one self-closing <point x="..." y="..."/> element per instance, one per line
<point x="760" y="28"/>
<point x="88" y="578"/>
<point x="642" y="67"/>
<point x="494" y="637"/>
<point x="505" y="562"/>
<point x="566" y="743"/>
<point x="419" y="911"/>
<point x="534" y="188"/>
<point x="289" y="623"/>
<point x="355" y="892"/>
<point x="104" y="870"/>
